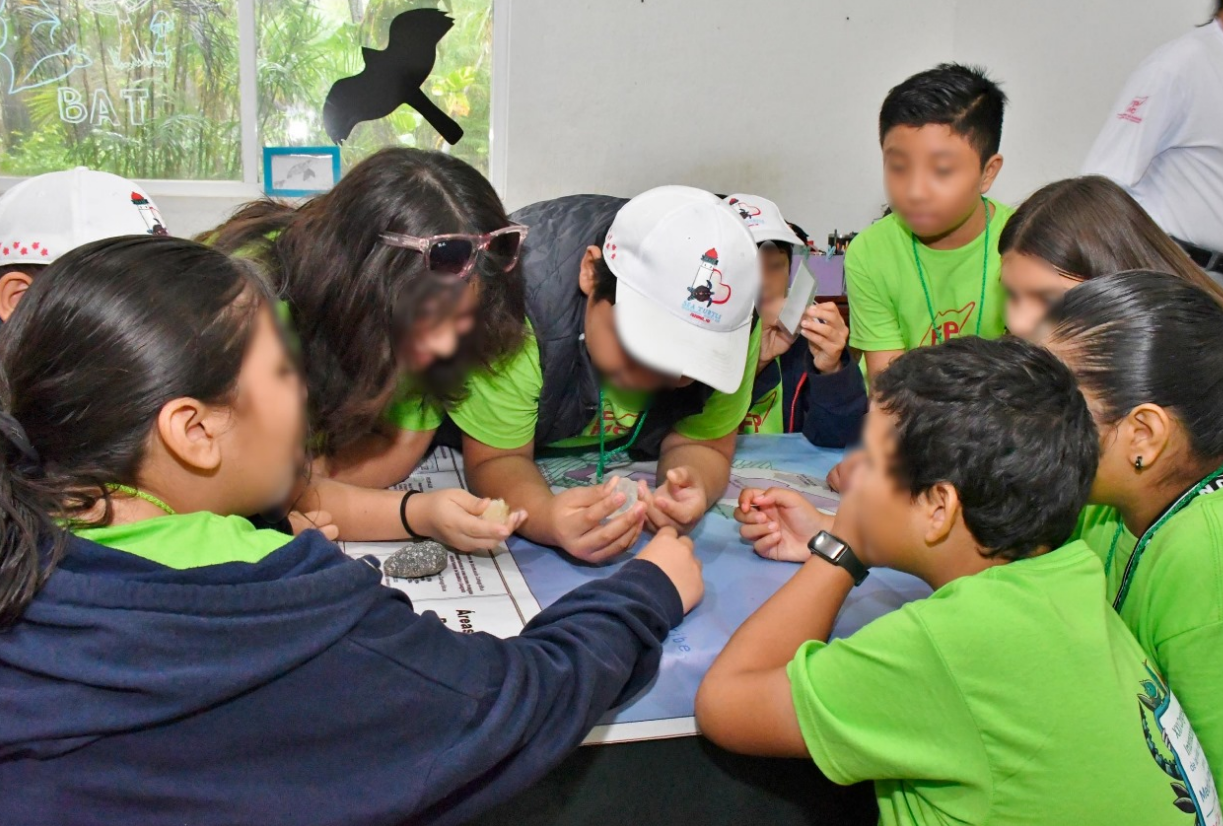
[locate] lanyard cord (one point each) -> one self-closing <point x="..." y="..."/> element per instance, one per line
<point x="602" y="438"/>
<point x="921" y="276"/>
<point x="139" y="494"/>
<point x="1176" y="507"/>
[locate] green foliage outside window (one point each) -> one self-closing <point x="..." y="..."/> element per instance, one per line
<point x="149" y="88"/>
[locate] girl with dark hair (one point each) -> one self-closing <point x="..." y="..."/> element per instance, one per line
<point x="1075" y="230"/>
<point x="397" y="283"/>
<point x="1157" y="517"/>
<point x="164" y="661"/>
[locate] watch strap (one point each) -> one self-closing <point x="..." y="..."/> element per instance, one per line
<point x="842" y="557"/>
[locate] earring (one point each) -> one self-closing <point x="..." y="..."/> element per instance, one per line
<point x="1138" y="463"/>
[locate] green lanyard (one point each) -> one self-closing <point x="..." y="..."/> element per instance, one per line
<point x="1176" y="507"/>
<point x="139" y="494"/>
<point x="921" y="276"/>
<point x="603" y="456"/>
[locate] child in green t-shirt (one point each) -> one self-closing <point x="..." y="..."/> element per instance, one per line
<point x="1127" y="337"/>
<point x="929" y="270"/>
<point x="1011" y="695"/>
<point x="398" y="282"/>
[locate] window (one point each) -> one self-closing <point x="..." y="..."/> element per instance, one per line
<point x="151" y="89"/>
<point x="305" y="46"/>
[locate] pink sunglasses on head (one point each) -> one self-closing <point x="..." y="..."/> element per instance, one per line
<point x="457" y="254"/>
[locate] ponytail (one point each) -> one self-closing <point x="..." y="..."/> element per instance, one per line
<point x="1146" y="338"/>
<point x="251" y="234"/>
<point x="29" y="541"/>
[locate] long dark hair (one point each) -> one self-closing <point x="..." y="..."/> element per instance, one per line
<point x="101" y="341"/>
<point x="1089" y="226"/>
<point x="353" y="299"/>
<point x="1146" y="337"/>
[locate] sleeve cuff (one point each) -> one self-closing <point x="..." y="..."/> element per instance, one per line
<point x="801" y="692"/>
<point x="839" y="388"/>
<point x="650" y="577"/>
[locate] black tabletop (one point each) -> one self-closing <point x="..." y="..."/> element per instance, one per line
<point x="686" y="780"/>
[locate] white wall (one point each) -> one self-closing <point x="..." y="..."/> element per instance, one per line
<point x="1063" y="63"/>
<point x="775" y="97"/>
<point x="781" y="97"/>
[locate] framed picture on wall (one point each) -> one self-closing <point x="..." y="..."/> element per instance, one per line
<point x="300" y="171"/>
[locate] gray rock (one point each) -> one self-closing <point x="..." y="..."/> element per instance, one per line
<point x="416" y="560"/>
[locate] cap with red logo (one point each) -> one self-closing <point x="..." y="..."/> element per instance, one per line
<point x="763" y="219"/>
<point x="686" y="284"/>
<point x="44" y="217"/>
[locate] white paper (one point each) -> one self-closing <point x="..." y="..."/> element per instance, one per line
<point x="481" y="591"/>
<point x="802" y="293"/>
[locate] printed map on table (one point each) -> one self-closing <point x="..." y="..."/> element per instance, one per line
<point x="501" y="591"/>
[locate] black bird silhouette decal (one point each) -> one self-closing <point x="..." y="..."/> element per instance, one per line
<point x="392" y="77"/>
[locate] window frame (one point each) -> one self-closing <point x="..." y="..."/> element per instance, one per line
<point x="249" y="188"/>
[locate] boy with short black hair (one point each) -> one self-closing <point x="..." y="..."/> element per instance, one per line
<point x="44" y="217"/>
<point x="930" y="270"/>
<point x="1014" y="694"/>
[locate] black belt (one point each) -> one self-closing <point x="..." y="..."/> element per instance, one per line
<point x="1208" y="260"/>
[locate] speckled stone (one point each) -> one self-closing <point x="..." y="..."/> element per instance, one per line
<point x="416" y="560"/>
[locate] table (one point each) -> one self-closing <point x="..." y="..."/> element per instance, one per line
<point x="687" y="779"/>
<point x="737" y="581"/>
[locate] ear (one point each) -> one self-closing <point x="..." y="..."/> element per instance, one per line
<point x="1149" y="429"/>
<point x="941" y="505"/>
<point x="12" y="287"/>
<point x="190" y="431"/>
<point x="992" y="167"/>
<point x="586" y="278"/>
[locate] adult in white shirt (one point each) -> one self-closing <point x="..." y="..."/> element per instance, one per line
<point x="1164" y="141"/>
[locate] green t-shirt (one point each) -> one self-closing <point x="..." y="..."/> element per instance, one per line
<point x="1175" y="605"/>
<point x="887" y="306"/>
<point x="1008" y="697"/>
<point x="410" y="410"/>
<point x="765" y="415"/>
<point x="502" y="405"/>
<point x="190" y="540"/>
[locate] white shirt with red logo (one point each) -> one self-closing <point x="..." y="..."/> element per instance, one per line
<point x="1164" y="140"/>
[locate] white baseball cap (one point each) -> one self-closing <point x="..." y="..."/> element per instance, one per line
<point x="44" y="217"/>
<point x="764" y="219"/>
<point x="686" y="284"/>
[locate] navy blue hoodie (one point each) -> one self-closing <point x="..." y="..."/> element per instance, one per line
<point x="826" y="408"/>
<point x="297" y="691"/>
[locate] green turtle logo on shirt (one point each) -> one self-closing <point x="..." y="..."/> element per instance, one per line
<point x="1192" y="782"/>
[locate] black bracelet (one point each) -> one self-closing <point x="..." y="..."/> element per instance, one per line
<point x="403" y="514"/>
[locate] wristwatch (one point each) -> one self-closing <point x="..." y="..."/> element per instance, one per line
<point x="828" y="547"/>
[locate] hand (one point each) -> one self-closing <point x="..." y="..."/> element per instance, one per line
<point x="774" y="338"/>
<point x="673" y="553"/>
<point x="826" y="335"/>
<point x="841" y="478"/>
<point x="779" y="523"/>
<point x="453" y="518"/>
<point x="678" y="503"/>
<point x="316" y="520"/>
<point x="577" y="518"/>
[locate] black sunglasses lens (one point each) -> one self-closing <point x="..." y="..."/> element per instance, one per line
<point x="451" y="256"/>
<point x="503" y="250"/>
